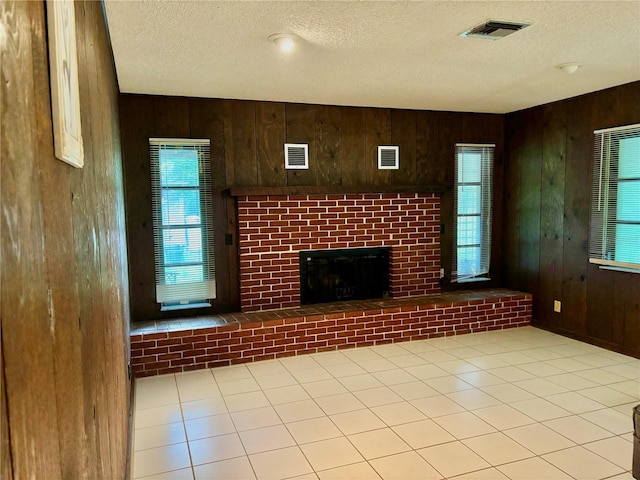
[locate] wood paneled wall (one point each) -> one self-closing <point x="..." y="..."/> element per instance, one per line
<point x="247" y="149"/>
<point x="548" y="176"/>
<point x="65" y="314"/>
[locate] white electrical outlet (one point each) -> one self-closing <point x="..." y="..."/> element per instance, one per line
<point x="557" y="306"/>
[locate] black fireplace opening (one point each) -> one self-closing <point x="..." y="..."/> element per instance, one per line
<point x="344" y="274"/>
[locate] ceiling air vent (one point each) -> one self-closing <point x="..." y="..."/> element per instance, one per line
<point x="296" y="156"/>
<point x="388" y="157"/>
<point x="494" y="29"/>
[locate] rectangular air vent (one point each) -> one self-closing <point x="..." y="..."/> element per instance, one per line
<point x="494" y="29"/>
<point x="388" y="157"/>
<point x="296" y="156"/>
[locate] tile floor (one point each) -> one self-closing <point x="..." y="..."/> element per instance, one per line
<point x="513" y="404"/>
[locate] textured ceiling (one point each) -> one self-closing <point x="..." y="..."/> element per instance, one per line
<point x="385" y="54"/>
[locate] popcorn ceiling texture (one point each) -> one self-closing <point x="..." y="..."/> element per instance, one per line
<point x="274" y="229"/>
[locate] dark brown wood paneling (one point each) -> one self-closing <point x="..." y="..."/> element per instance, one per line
<point x="403" y="134"/>
<point x="301" y="128"/>
<point x="554" y="141"/>
<point x="377" y="132"/>
<point x="426" y="148"/>
<point x="352" y="146"/>
<point x="240" y="142"/>
<point x="64" y="276"/>
<point x="270" y="137"/>
<point x="328" y="145"/>
<point x="171" y="117"/>
<point x="514" y="138"/>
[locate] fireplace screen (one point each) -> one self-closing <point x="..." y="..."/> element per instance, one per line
<point x="343" y="274"/>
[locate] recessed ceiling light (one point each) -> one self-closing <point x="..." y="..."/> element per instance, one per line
<point x="284" y="41"/>
<point x="569" y="67"/>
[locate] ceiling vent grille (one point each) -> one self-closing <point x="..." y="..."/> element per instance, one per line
<point x="388" y="157"/>
<point x="494" y="29"/>
<point x="296" y="156"/>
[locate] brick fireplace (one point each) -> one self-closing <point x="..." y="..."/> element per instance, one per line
<point x="273" y="229"/>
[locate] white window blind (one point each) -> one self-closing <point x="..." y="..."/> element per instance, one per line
<point x="182" y="222"/>
<point x="473" y="187"/>
<point x="615" y="207"/>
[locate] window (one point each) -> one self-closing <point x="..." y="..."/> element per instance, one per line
<point x="472" y="203"/>
<point x="615" y="208"/>
<point x="182" y="222"/>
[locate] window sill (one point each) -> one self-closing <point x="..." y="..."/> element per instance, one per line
<point x="474" y="279"/>
<point x="169" y="308"/>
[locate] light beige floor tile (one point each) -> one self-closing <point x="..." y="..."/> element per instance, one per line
<point x="541" y="369"/>
<point x="486" y="474"/>
<point x="313" y="430"/>
<point x="464" y="425"/>
<point x="616" y="450"/>
<point x="306" y="476"/>
<point x="151" y="417"/>
<point x="540" y="387"/>
<point x="299" y="362"/>
<point x="344" y="402"/>
<point x="610" y="419"/>
<point x="424" y="433"/>
<point x="497" y="448"/>
<point x="360" y="382"/>
<point x="332" y="453"/>
<point x="266" y="438"/>
<point x="231" y="373"/>
<point x="510" y="374"/>
<point x="502" y="417"/>
<point x="571" y="381"/>
<point x="507" y="393"/>
<point x="373" y="397"/>
<point x="595" y="360"/>
<point x="487" y="362"/>
<point x="606" y="396"/>
<point x="533" y="469"/>
<point x="330" y="358"/>
<point x="453" y="458"/>
<point x="378" y="443"/>
<point x="394" y="377"/>
<point x="539" y="438"/>
<point x="209" y="426"/>
<point x="577" y="429"/>
<point x="266" y="367"/>
<point x="213" y="449"/>
<point x="324" y="388"/>
<point x="574" y="402"/>
<point x="197" y="385"/>
<point x="156" y="391"/>
<point x="419" y="346"/>
<point x="540" y="409"/>
<point x="357" y="421"/>
<point x="398" y="413"/>
<point x="182" y="474"/>
<point x="448" y="384"/>
<point x="345" y="369"/>
<point x="426" y="371"/>
<point x="437" y="406"/>
<point x="356" y="471"/>
<point x="283" y="463"/>
<point x="239" y="386"/>
<point x="629" y="387"/>
<point x="203" y="408"/>
<point x="627" y="370"/>
<point x="389" y="350"/>
<point x="436" y="356"/>
<point x="159" y="436"/>
<point x="457" y="366"/>
<point x="361" y="354"/>
<point x="404" y="466"/>
<point x="583" y="464"/>
<point x="313" y="374"/>
<point x="600" y="376"/>
<point x="568" y="364"/>
<point x="622" y="476"/>
<point x="246" y="401"/>
<point x="276" y="380"/>
<point x="255" y="418"/>
<point x="473" y="399"/>
<point x="413" y="390"/>
<point x="291" y="393"/>
<point x="232" y="469"/>
<point x="161" y="459"/>
<point x="377" y="365"/>
<point x="464" y="352"/>
<point x="480" y="378"/>
<point x="301" y="410"/>
<point x="410" y="360"/>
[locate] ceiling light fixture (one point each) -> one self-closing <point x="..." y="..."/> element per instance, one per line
<point x="569" y="68"/>
<point x="284" y="41"/>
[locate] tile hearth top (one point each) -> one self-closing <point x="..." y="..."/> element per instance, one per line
<point x="207" y="321"/>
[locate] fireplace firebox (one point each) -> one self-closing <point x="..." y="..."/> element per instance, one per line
<point x="343" y="274"/>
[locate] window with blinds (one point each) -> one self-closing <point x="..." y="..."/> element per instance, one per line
<point x="615" y="207"/>
<point x="182" y="222"/>
<point x="472" y="195"/>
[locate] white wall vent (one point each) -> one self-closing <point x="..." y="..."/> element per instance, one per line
<point x="388" y="157"/>
<point x="494" y="29"/>
<point x="296" y="156"/>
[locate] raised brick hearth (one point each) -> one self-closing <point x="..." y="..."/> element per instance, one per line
<point x="182" y="345"/>
<point x="274" y="228"/>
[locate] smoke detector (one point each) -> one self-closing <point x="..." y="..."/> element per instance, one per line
<point x="494" y="29"/>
